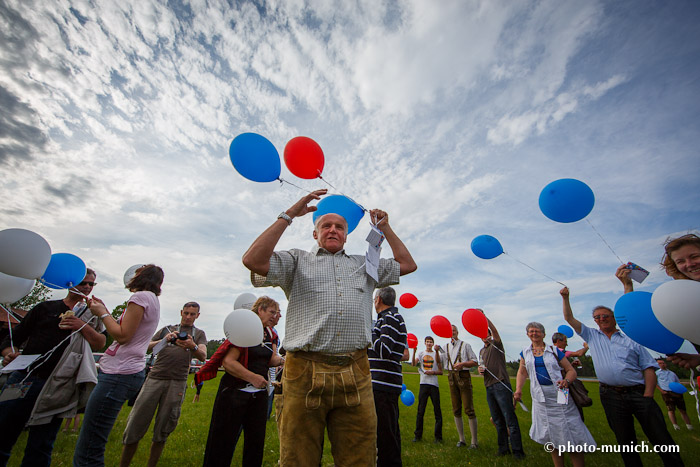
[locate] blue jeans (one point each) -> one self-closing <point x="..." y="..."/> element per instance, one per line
<point x="622" y="407"/>
<point x="101" y="412"/>
<point x="14" y="415"/>
<point x="500" y="401"/>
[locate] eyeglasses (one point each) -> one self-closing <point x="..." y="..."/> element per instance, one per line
<point x="91" y="284"/>
<point x="599" y="317"/>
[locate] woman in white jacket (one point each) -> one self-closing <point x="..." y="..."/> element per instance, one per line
<point x="555" y="419"/>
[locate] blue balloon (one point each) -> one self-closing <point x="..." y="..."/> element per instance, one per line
<point x="677" y="387"/>
<point x="566" y="200"/>
<point x="255" y="157"/>
<point x="407" y="398"/>
<point x="64" y="271"/>
<point x="486" y="247"/>
<point x="403" y="387"/>
<point x="566" y="330"/>
<point x="635" y="317"/>
<point x="343" y="206"/>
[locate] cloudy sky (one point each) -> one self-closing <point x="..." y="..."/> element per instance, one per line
<point x="116" y="117"/>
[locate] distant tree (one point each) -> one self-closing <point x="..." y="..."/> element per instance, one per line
<point x="40" y="293"/>
<point x="212" y="345"/>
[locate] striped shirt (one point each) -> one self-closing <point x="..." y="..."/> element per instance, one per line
<point x="330" y="298"/>
<point x="386" y="351"/>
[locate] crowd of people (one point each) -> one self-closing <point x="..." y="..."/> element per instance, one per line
<point x="340" y="371"/>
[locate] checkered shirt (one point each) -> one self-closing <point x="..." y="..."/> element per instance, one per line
<point x="330" y="298"/>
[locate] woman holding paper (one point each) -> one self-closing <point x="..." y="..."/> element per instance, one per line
<point x="241" y="401"/>
<point x="555" y="420"/>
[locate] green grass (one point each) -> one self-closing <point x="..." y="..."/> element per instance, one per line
<point x="185" y="446"/>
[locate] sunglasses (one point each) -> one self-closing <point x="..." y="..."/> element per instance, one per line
<point x="599" y="317"/>
<point x="91" y="284"/>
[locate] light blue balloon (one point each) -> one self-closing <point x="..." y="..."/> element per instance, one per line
<point x="566" y="330"/>
<point x="407" y="398"/>
<point x="64" y="271"/>
<point x="635" y="317"/>
<point x="677" y="387"/>
<point x="343" y="206"/>
<point x="566" y="200"/>
<point x="255" y="157"/>
<point x="486" y="247"/>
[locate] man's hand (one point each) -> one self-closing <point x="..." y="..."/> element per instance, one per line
<point x="685" y="360"/>
<point x="623" y="274"/>
<point x="9" y="357"/>
<point x="379" y="218"/>
<point x="302" y="207"/>
<point x="71" y="322"/>
<point x="518" y="396"/>
<point x="564" y="293"/>
<point x="187" y="344"/>
<point x="258" y="381"/>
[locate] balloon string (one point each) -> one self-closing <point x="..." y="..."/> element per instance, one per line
<point x="539" y="272"/>
<point x="606" y="243"/>
<point x="283" y="181"/>
<point x="45" y="357"/>
<point x="343" y="194"/>
<point x="695" y="390"/>
<point x="9" y="325"/>
<point x="71" y="288"/>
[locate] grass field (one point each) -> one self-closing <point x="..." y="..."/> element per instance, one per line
<point x="185" y="446"/>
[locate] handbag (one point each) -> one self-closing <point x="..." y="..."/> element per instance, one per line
<point x="579" y="392"/>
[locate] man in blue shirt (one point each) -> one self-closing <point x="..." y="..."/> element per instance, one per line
<point x="664" y="378"/>
<point x="627" y="377"/>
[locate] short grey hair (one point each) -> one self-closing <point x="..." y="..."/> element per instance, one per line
<point x="387" y="295"/>
<point x="557" y="336"/>
<point x="602" y="307"/>
<point x="318" y="220"/>
<point x="536" y="325"/>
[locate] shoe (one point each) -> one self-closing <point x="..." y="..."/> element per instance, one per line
<point x="519" y="455"/>
<point x="461" y="444"/>
<point x="676" y="427"/>
<point x="503" y="453"/>
<point x="438" y="441"/>
<point x="474" y="446"/>
<point x="688" y="426"/>
<point x="416" y="439"/>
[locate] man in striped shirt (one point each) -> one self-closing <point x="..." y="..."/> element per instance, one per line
<point x="386" y="351"/>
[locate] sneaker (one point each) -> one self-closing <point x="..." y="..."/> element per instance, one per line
<point x="416" y="439"/>
<point x="676" y="427"/>
<point x="461" y="444"/>
<point x="688" y="426"/>
<point x="438" y="441"/>
<point x="519" y="455"/>
<point x="474" y="446"/>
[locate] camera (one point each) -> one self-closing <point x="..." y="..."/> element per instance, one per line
<point x="181" y="335"/>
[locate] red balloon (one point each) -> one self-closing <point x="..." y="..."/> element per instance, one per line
<point x="304" y="157"/>
<point x="475" y="323"/>
<point x="408" y="300"/>
<point x="412" y="340"/>
<point x="441" y="326"/>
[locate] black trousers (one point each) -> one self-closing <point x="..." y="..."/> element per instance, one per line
<point x="233" y="410"/>
<point x="622" y="408"/>
<point x="433" y="392"/>
<point x="388" y="432"/>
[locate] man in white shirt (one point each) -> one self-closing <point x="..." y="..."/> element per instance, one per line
<point x="459" y="357"/>
<point x="429" y="367"/>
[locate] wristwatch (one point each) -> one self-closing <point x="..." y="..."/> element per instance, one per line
<point x="285" y="216"/>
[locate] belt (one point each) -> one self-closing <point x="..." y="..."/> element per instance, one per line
<point x="451" y="372"/>
<point x="623" y="389"/>
<point x="343" y="359"/>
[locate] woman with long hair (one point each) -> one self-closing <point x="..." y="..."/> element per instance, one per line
<point x="122" y="367"/>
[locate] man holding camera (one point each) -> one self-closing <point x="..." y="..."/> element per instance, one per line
<point x="165" y="385"/>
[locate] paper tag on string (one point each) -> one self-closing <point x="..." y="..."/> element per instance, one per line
<point x="14" y="391"/>
<point x="563" y="396"/>
<point x="372" y="261"/>
<point x="523" y="406"/>
<point x="375" y="237"/>
<point x="637" y="273"/>
<point x="19" y="363"/>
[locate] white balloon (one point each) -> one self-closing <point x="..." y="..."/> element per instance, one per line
<point x="13" y="288"/>
<point x="243" y="328"/>
<point x="245" y="300"/>
<point x="130" y="273"/>
<point x="676" y="305"/>
<point x="23" y="253"/>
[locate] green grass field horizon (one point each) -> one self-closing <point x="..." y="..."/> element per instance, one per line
<point x="186" y="445"/>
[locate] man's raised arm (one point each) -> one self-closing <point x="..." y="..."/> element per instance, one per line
<point x="568" y="313"/>
<point x="257" y="258"/>
<point x="401" y="253"/>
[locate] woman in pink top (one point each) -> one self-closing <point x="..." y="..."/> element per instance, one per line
<point x="122" y="368"/>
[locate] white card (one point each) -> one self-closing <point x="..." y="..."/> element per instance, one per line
<point x="375" y="237"/>
<point x="523" y="406"/>
<point x="637" y="273"/>
<point x="159" y="346"/>
<point x="19" y="363"/>
<point x="563" y="396"/>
